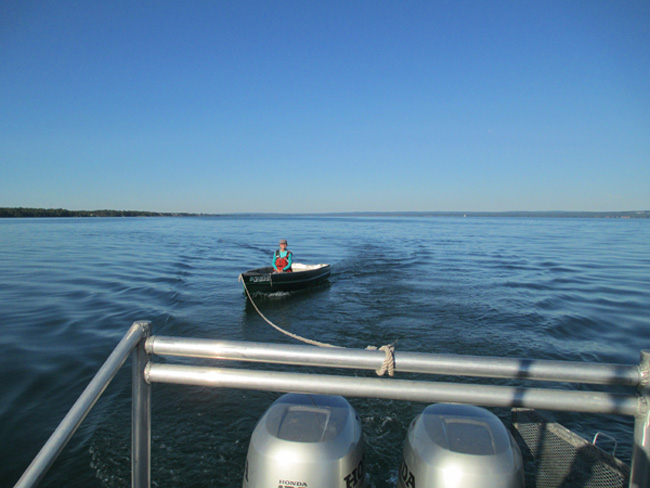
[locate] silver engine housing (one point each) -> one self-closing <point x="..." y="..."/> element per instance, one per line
<point x="306" y="441"/>
<point x="459" y="445"/>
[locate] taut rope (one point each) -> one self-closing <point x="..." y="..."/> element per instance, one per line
<point x="389" y="361"/>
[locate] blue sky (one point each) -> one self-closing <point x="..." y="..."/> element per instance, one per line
<point x="226" y="106"/>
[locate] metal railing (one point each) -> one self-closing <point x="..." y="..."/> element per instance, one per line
<point x="132" y="340"/>
<point x="142" y="346"/>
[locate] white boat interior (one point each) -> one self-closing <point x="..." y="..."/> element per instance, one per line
<point x="306" y="267"/>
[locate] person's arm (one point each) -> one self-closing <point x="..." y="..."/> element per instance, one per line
<point x="289" y="256"/>
<point x="274" y="258"/>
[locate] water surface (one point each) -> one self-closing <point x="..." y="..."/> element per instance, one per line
<point x="575" y="289"/>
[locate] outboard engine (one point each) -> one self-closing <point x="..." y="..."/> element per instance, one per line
<point x="451" y="446"/>
<point x="306" y="441"/>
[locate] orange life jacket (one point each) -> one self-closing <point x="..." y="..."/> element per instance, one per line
<point x="280" y="263"/>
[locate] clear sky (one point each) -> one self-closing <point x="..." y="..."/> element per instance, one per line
<point x="325" y="106"/>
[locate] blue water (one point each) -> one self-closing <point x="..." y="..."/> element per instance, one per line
<point x="575" y="289"/>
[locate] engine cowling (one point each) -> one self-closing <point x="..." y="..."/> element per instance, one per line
<point x="306" y="441"/>
<point x="450" y="446"/>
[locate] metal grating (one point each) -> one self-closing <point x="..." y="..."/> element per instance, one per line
<point x="556" y="457"/>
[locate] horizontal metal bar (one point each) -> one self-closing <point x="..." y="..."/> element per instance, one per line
<point x="68" y="426"/>
<point x="419" y="391"/>
<point x="411" y="362"/>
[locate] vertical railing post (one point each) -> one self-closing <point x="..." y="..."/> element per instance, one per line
<point x="140" y="415"/>
<point x="640" y="469"/>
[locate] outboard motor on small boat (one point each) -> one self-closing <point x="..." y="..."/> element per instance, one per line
<point x="306" y="441"/>
<point x="451" y="446"/>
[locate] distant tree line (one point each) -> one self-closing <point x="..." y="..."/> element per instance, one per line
<point x="62" y="212"/>
<point x="21" y="212"/>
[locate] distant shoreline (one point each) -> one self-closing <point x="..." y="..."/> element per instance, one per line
<point x="23" y="212"/>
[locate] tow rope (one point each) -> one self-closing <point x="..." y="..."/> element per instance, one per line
<point x="389" y="349"/>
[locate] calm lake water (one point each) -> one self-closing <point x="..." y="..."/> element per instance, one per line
<point x="575" y="289"/>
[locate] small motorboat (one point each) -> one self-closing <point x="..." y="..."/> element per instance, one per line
<point x="266" y="280"/>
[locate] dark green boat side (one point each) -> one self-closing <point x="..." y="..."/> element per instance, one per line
<point x="265" y="280"/>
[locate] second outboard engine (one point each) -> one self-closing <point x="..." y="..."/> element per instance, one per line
<point x="451" y="446"/>
<point x="306" y="441"/>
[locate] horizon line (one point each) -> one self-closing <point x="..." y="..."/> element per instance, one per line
<point x="35" y="211"/>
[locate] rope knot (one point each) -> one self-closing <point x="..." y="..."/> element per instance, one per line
<point x="389" y="359"/>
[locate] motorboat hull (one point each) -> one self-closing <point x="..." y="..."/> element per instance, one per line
<point x="266" y="280"/>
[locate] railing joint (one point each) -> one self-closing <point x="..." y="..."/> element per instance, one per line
<point x="147" y="372"/>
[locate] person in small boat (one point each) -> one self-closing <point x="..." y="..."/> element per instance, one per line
<point x="282" y="258"/>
